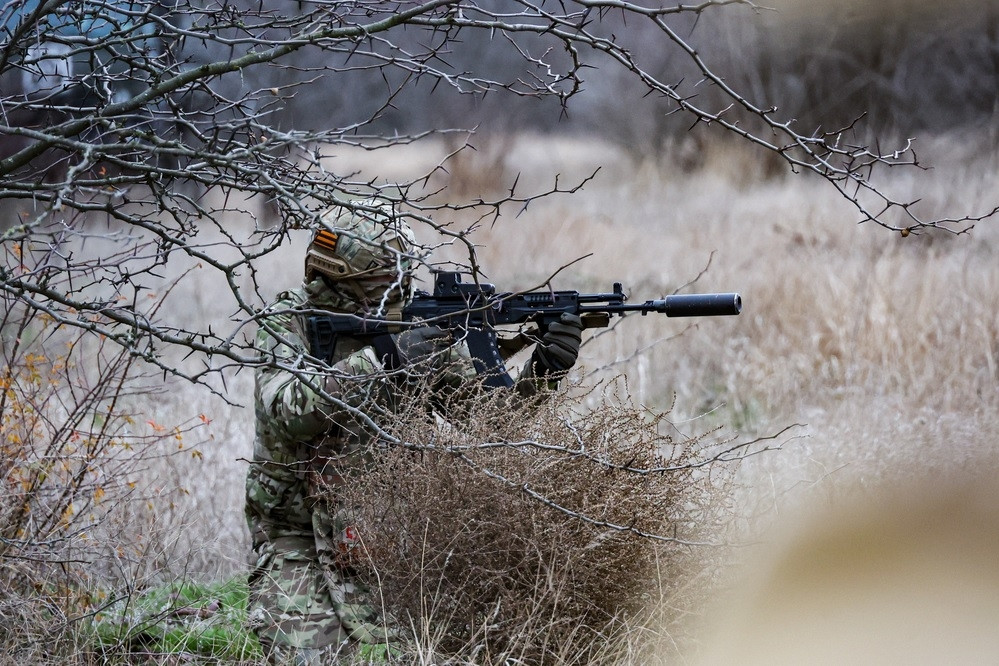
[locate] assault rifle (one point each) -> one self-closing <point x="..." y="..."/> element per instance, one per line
<point x="475" y="309"/>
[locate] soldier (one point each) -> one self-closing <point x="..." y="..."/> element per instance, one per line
<point x="306" y="604"/>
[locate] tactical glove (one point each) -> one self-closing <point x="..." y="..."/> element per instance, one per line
<point x="559" y="348"/>
<point x="420" y="344"/>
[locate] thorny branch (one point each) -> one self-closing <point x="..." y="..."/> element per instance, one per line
<point x="133" y="136"/>
<point x="181" y="108"/>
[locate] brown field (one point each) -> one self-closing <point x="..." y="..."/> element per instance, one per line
<point x="881" y="350"/>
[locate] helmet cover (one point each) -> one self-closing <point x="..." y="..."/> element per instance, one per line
<point x="361" y="245"/>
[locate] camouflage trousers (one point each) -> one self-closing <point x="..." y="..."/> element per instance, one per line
<point x="305" y="609"/>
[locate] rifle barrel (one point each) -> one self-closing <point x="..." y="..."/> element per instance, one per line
<point x="677" y="305"/>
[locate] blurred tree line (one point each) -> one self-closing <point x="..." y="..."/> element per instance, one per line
<point x="904" y="67"/>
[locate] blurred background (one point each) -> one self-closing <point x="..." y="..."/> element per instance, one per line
<point x="905" y="67"/>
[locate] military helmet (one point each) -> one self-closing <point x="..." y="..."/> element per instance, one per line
<point x="360" y="244"/>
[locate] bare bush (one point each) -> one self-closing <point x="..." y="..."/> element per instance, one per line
<point x="73" y="491"/>
<point x="34" y="623"/>
<point x="68" y="440"/>
<point x="536" y="534"/>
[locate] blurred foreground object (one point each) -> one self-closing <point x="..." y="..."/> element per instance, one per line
<point x="906" y="576"/>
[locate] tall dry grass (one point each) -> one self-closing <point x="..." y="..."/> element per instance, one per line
<point x="882" y="348"/>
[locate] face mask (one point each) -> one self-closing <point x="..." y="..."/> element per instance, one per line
<point x="371" y="295"/>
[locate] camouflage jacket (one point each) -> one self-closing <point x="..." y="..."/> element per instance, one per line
<point x="296" y="425"/>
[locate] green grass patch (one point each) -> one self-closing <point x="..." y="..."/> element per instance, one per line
<point x="207" y="620"/>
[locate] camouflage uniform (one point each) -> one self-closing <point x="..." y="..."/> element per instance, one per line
<point x="305" y="602"/>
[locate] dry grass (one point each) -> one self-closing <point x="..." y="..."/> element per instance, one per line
<point x="534" y="534"/>
<point x="884" y="348"/>
<point x="905" y="574"/>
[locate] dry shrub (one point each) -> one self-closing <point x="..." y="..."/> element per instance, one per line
<point x="35" y="626"/>
<point x="531" y="534"/>
<point x="72" y="452"/>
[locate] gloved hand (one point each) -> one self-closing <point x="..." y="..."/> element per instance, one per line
<point x="420" y="344"/>
<point x="559" y="348"/>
